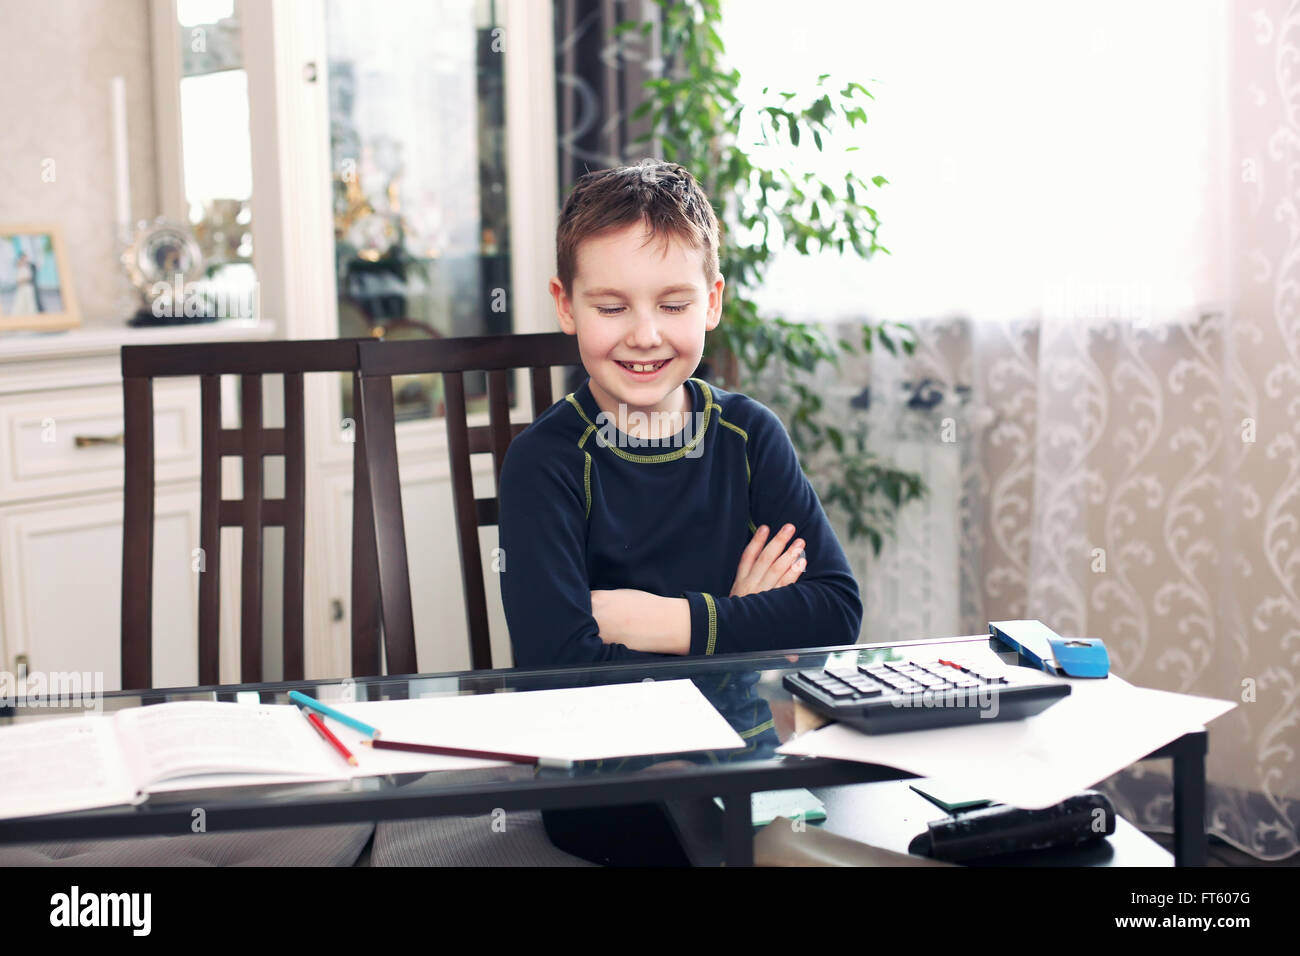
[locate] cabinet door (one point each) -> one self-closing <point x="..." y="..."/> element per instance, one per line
<point x="61" y="580"/>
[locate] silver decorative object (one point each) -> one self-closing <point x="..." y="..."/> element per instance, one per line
<point x="163" y="251"/>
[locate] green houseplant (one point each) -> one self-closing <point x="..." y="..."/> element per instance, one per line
<point x="694" y="110"/>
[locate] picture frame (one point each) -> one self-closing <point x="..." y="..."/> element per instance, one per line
<point x="36" y="290"/>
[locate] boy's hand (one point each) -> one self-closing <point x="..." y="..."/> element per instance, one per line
<point x="774" y="566"/>
<point x="642" y="621"/>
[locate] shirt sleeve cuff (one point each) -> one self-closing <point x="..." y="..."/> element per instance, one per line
<point x="704" y="622"/>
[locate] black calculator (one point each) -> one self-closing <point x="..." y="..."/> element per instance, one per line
<point x="888" y="696"/>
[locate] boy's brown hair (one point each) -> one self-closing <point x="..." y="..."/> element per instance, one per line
<point x="665" y="195"/>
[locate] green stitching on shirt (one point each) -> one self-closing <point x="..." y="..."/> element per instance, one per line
<point x="586" y="480"/>
<point x="713" y="624"/>
<point x="754" y="731"/>
<point x="743" y="434"/>
<point x="735" y="428"/>
<point x="709" y="405"/>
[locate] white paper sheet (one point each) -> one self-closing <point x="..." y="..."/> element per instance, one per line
<point x="1101" y="728"/>
<point x="581" y="723"/>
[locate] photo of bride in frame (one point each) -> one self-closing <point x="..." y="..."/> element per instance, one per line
<point x="36" y="291"/>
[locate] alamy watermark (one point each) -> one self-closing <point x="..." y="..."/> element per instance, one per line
<point x="179" y="298"/>
<point x="677" y="430"/>
<point x="984" y="697"/>
<point x="83" y="689"/>
<point x="127" y="910"/>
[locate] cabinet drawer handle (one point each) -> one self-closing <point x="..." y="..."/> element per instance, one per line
<point x="88" y="441"/>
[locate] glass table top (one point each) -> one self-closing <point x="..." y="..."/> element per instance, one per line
<point x="745" y="689"/>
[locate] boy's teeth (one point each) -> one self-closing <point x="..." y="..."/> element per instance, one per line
<point x="638" y="367"/>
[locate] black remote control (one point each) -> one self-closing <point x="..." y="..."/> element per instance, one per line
<point x="992" y="831"/>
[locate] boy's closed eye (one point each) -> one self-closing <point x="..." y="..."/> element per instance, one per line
<point x="615" y="309"/>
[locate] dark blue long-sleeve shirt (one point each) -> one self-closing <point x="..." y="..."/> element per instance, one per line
<point x="584" y="507"/>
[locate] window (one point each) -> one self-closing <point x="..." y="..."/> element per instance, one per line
<point x="1043" y="158"/>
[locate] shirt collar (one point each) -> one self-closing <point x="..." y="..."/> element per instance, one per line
<point x="672" y="447"/>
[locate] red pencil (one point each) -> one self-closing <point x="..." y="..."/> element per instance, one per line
<point x="325" y="732"/>
<point x="380" y="744"/>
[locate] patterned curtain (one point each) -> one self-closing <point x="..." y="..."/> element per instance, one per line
<point x="1104" y="479"/>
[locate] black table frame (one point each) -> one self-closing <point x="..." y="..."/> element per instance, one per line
<point x="734" y="783"/>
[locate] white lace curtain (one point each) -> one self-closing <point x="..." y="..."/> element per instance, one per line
<point x="1094" y="215"/>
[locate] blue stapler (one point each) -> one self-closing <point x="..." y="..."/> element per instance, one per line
<point x="1042" y="647"/>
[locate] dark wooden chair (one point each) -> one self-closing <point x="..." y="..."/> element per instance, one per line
<point x="252" y="513"/>
<point x="499" y="356"/>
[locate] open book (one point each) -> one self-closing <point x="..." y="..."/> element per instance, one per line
<point x="77" y="763"/>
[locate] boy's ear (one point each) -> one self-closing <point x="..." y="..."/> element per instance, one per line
<point x="563" y="307"/>
<point x="715" y="305"/>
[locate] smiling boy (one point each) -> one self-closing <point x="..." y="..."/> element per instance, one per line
<point x="635" y="512"/>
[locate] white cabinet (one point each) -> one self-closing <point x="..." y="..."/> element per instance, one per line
<point x="62" y="580"/>
<point x="61" y="480"/>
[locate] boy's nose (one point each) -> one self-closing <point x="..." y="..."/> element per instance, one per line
<point x="645" y="329"/>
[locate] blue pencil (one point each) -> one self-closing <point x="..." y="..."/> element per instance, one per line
<point x="316" y="705"/>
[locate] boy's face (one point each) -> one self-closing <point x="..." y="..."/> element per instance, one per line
<point x="637" y="303"/>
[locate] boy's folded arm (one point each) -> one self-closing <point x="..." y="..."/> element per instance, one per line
<point x="544" y="586"/>
<point x="824" y="607"/>
<point x="821" y="613"/>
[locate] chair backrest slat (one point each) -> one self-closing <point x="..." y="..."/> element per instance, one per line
<point x="232" y="441"/>
<point x="541" y="382"/>
<point x="487" y="511"/>
<point x="209" y="530"/>
<point x="294" y="449"/>
<point x="482" y="440"/>
<point x="462" y="487"/>
<point x="250" y="595"/>
<point x="385" y="505"/>
<point x="365" y="572"/>
<point x="499" y="418"/>
<point x="137" y="533"/>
